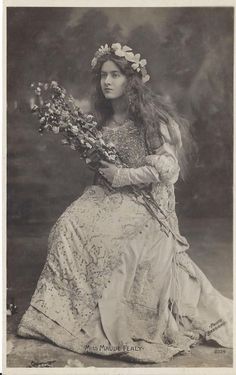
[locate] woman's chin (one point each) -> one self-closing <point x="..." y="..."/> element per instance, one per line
<point x="109" y="95"/>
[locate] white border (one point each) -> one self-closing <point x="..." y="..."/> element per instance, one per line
<point x="93" y="370"/>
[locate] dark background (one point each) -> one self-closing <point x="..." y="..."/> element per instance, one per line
<point x="190" y="60"/>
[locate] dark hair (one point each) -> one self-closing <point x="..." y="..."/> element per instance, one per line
<point x="145" y="108"/>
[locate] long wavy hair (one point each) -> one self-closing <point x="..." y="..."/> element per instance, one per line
<point x="146" y="109"/>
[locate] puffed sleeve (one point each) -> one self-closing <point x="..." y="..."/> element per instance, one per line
<point x="161" y="166"/>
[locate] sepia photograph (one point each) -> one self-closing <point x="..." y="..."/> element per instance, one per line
<point x="119" y="144"/>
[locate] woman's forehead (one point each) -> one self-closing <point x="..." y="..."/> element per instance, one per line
<point x="110" y="66"/>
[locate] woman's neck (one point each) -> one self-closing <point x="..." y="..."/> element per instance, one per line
<point x="120" y="109"/>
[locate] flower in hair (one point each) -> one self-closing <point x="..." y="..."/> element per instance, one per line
<point x="126" y="52"/>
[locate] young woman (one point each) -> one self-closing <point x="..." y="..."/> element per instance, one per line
<point x="115" y="281"/>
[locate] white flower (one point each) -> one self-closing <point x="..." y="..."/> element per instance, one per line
<point x="38" y="91"/>
<point x="119" y="52"/>
<point x="55" y="129"/>
<point x="143" y="62"/>
<point x="72" y="146"/>
<point x="104" y="49"/>
<point x="94" y="62"/>
<point x="74" y="130"/>
<point x="116" y="46"/>
<point x="88" y="145"/>
<point x="89" y="117"/>
<point x="54" y="84"/>
<point x="129" y="56"/>
<point x="146" y="78"/>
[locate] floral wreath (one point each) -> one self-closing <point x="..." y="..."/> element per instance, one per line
<point x="126" y="52"/>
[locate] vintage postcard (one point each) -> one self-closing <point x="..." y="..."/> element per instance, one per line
<point x="118" y="141"/>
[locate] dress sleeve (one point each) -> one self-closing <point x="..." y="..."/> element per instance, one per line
<point x="162" y="166"/>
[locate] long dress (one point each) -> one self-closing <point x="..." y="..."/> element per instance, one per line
<point x="115" y="282"/>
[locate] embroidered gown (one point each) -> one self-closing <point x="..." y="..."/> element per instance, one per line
<point x="116" y="283"/>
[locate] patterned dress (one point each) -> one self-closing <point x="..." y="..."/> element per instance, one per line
<point x="116" y="283"/>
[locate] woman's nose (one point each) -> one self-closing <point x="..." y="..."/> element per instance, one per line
<point x="107" y="79"/>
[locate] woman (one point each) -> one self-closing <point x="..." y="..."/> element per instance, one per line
<point x="116" y="281"/>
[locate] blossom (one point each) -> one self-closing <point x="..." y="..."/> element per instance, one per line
<point x="38" y="91"/>
<point x="54" y="84"/>
<point x="42" y="120"/>
<point x="55" y="129"/>
<point x="74" y="130"/>
<point x="104" y="49"/>
<point x="34" y="108"/>
<point x="89" y="117"/>
<point x="146" y="78"/>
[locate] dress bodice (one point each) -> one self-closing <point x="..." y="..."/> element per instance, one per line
<point x="129" y="142"/>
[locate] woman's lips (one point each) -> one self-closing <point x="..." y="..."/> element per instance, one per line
<point x="107" y="90"/>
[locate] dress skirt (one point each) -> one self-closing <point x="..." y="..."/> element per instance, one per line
<point x="115" y="283"/>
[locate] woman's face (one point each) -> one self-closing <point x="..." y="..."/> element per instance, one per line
<point x="113" y="81"/>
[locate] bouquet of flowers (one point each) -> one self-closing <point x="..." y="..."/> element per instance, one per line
<point x="58" y="113"/>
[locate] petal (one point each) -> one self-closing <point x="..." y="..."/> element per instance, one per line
<point x="55" y="129"/>
<point x="116" y="46"/>
<point x="143" y="62"/>
<point x="146" y="78"/>
<point x="130" y="56"/>
<point x="94" y="62"/>
<point x="119" y="53"/>
<point x="126" y="48"/>
<point x="138" y="69"/>
<point x="134" y="66"/>
<point x="137" y="56"/>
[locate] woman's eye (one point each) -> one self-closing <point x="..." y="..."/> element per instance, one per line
<point x="115" y="75"/>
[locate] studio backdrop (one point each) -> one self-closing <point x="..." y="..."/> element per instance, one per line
<point x="190" y="60"/>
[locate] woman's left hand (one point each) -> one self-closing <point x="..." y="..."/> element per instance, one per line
<point x="108" y="170"/>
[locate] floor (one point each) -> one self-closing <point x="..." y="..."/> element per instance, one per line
<point x="211" y="249"/>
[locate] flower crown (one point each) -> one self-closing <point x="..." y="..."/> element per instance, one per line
<point x="126" y="52"/>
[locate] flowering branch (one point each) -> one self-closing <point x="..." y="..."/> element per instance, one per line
<point x="58" y="113"/>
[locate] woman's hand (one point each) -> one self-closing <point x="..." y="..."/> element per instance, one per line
<point x="108" y="170"/>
